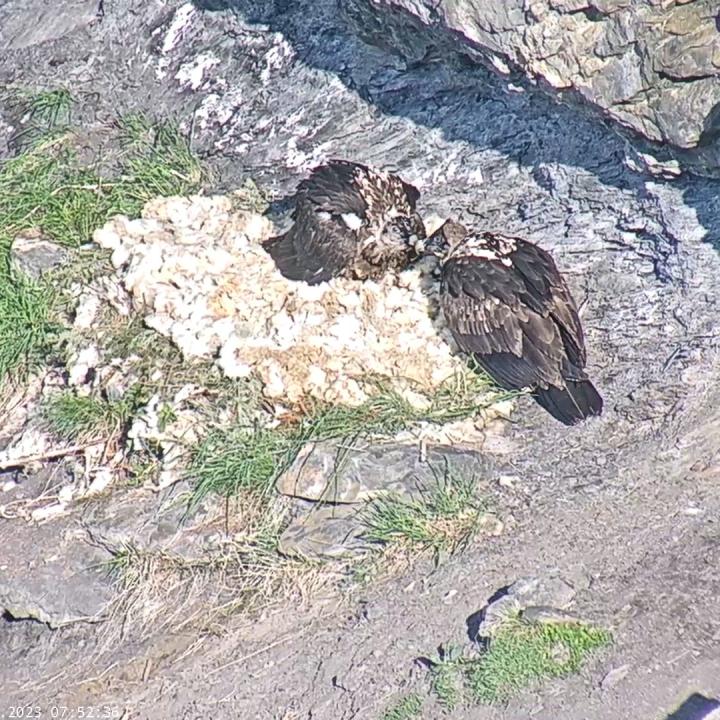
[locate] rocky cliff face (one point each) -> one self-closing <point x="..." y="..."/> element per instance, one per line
<point x="268" y="89"/>
<point x="653" y="67"/>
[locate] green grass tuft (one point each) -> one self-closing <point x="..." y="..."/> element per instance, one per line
<point x="244" y="458"/>
<point x="445" y="518"/>
<point x="45" y="187"/>
<point x="158" y="161"/>
<point x="26" y="327"/>
<point x="51" y="108"/>
<point x="522" y="654"/>
<point x="80" y="418"/>
<point x="227" y="462"/>
<point x="406" y="709"/>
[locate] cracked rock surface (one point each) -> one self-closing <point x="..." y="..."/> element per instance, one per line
<point x="653" y="67"/>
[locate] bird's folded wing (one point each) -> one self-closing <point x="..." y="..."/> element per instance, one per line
<point x="315" y="249"/>
<point x="334" y="189"/>
<point x="547" y="291"/>
<point x="493" y="314"/>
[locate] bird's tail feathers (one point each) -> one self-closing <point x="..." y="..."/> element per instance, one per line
<point x="576" y="402"/>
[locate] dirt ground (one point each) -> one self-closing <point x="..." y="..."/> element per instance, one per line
<point x="625" y="508"/>
<point x="640" y="548"/>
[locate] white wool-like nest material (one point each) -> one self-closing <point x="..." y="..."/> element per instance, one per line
<point x="196" y="269"/>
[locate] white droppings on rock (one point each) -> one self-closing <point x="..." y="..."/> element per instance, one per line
<point x="277" y="57"/>
<point x="102" y="480"/>
<point x="48" y="512"/>
<point x="192" y="75"/>
<point x="87" y="310"/>
<point x="66" y="494"/>
<point x="170" y="426"/>
<point x="174" y="33"/>
<point x="198" y="272"/>
<point x="81" y="364"/>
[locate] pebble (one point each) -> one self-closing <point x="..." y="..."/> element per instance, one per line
<point x="615" y="676"/>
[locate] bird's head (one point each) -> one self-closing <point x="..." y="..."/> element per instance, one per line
<point x="405" y="230"/>
<point x="443" y="241"/>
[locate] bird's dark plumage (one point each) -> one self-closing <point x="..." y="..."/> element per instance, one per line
<point x="349" y="220"/>
<point x="508" y="306"/>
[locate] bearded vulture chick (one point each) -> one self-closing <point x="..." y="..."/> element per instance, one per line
<point x="507" y="306"/>
<point x="351" y="221"/>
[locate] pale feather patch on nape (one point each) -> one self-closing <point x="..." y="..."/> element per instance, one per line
<point x="487" y="247"/>
<point x="505" y="244"/>
<point x="484" y="253"/>
<point x="352" y="221"/>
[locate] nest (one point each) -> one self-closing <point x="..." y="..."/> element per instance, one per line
<point x="196" y="270"/>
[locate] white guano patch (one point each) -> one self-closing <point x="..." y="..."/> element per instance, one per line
<point x="353" y="221"/>
<point x="174" y="33"/>
<point x="192" y="75"/>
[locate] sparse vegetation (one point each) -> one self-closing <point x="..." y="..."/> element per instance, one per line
<point x="523" y="653"/>
<point x="44" y="187"/>
<point x="444" y="518"/>
<point x="407" y="708"/>
<point x="80" y="418"/>
<point x="246" y="573"/>
<point x="229" y="461"/>
<point x="446" y="679"/>
<point x="252" y="458"/>
<point x="519" y="655"/>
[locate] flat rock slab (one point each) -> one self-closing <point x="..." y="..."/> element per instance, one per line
<point x="33" y="255"/>
<point x="53" y="573"/>
<point x="333" y="474"/>
<point x="59" y="571"/>
<point x="341" y="480"/>
<point x="329" y="532"/>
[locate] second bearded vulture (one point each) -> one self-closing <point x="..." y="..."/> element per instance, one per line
<point x="507" y="305"/>
<point x="349" y="220"/>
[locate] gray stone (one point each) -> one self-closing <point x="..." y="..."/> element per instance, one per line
<point x="550" y="591"/>
<point x="329" y="473"/>
<point x="655" y="69"/>
<point x="543" y="615"/>
<point x="26" y="24"/>
<point x="52" y="573"/>
<point x="614" y="677"/>
<point x="58" y="571"/>
<point x="34" y="255"/>
<point x="327" y="532"/>
<point x="538" y="599"/>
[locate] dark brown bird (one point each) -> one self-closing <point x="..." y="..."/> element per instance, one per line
<point x="351" y="221"/>
<point x="508" y="306"/>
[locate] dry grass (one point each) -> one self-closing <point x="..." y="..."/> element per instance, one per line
<point x="243" y="574"/>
